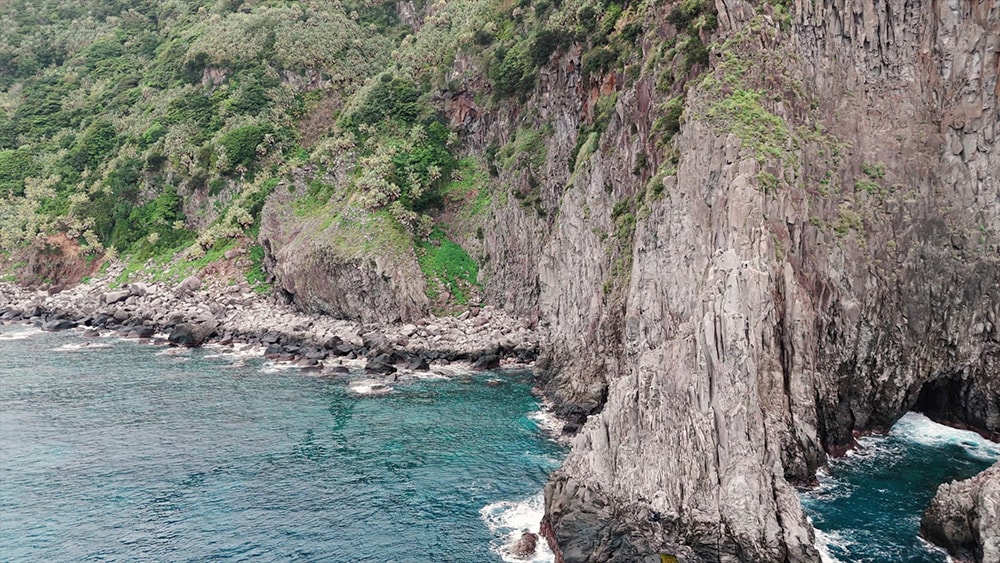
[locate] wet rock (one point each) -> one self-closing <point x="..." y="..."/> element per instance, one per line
<point x="141" y="331"/>
<point x="59" y="324"/>
<point x="964" y="518"/>
<point x="525" y="546"/>
<point x="273" y="351"/>
<point x="190" y="335"/>
<point x="417" y="364"/>
<point x="487" y="361"/>
<point x="376" y="366"/>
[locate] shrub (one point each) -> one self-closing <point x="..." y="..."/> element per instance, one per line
<point x="241" y="146"/>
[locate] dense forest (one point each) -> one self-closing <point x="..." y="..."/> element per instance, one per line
<point x="154" y="131"/>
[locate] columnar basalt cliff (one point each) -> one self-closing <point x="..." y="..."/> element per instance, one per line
<point x="826" y="249"/>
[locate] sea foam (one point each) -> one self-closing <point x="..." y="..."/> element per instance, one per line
<point x="507" y="520"/>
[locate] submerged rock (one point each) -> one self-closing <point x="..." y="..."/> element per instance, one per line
<point x="964" y="518"/>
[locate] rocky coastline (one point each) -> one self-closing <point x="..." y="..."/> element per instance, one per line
<point x="199" y="311"/>
<point x="964" y="518"/>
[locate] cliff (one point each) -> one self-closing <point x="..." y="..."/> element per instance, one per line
<point x="823" y="258"/>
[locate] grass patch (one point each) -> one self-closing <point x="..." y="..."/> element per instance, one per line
<point x="447" y="267"/>
<point x="758" y="129"/>
<point x="256" y="275"/>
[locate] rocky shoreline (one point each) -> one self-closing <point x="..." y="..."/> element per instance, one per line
<point x="964" y="518"/>
<point x="195" y="312"/>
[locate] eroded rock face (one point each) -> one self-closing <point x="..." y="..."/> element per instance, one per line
<point x="325" y="271"/>
<point x="784" y="291"/>
<point x="964" y="517"/>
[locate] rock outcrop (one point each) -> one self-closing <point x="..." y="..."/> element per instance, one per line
<point x="339" y="262"/>
<point x="964" y="518"/>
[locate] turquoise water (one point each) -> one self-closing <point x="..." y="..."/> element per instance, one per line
<point x="127" y="453"/>
<point x="869" y="503"/>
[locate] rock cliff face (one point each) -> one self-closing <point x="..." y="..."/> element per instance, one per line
<point x="964" y="517"/>
<point x="339" y="263"/>
<point x="824" y="252"/>
<point x="815" y="253"/>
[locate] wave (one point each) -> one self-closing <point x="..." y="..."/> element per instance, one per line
<point x="76" y="347"/>
<point x="825" y="541"/>
<point x="369" y="387"/>
<point x="20" y="334"/>
<point x="917" y="428"/>
<point x="547" y="421"/>
<point x="507" y="520"/>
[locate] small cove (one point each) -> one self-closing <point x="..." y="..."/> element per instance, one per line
<point x="869" y="502"/>
<point x="124" y="451"/>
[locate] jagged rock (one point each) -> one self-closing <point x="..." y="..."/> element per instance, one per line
<point x="417" y="363"/>
<point x="525" y="546"/>
<point x="487" y="361"/>
<point x="964" y="518"/>
<point x="377" y="366"/>
<point x="273" y="351"/>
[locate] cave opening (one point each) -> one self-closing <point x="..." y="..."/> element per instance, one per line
<point x="953" y="401"/>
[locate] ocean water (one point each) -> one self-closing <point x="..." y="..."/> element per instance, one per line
<point x="120" y="451"/>
<point x="869" y="502"/>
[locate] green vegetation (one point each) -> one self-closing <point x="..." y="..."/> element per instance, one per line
<point x="447" y="267"/>
<point x="116" y="114"/>
<point x="256" y="276"/>
<point x="759" y="130"/>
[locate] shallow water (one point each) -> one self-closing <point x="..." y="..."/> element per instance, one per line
<point x="133" y="453"/>
<point x="868" y="505"/>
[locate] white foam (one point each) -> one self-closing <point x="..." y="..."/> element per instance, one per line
<point x="826" y="540"/>
<point x="20" y="334"/>
<point x="276" y="367"/>
<point x="508" y="519"/>
<point x="76" y="347"/>
<point x="547" y="421"/>
<point x="369" y="387"/>
<point x="915" y="427"/>
<point x="425" y="376"/>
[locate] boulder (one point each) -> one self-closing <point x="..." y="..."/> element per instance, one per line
<point x="189" y="284"/>
<point x="526" y="546"/>
<point x="487" y="361"/>
<point x="273" y="351"/>
<point x="112" y="297"/>
<point x="191" y="335"/>
<point x="376" y="366"/>
<point x="59" y="324"/>
<point x="141" y="331"/>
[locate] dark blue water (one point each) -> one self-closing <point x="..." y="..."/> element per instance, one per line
<point x="869" y="504"/>
<point x="123" y="454"/>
